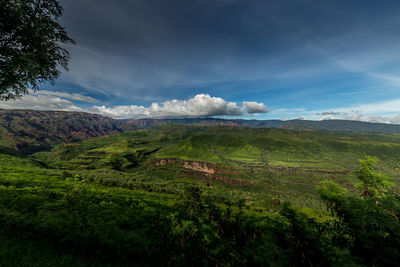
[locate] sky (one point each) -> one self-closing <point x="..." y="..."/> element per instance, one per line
<point x="250" y="59"/>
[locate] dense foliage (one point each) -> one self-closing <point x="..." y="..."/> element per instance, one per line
<point x="138" y="227"/>
<point x="30" y="50"/>
<point x="367" y="222"/>
<point x="105" y="201"/>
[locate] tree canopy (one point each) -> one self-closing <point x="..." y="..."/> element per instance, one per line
<point x="30" y="45"/>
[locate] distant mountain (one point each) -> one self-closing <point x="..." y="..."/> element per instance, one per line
<point x="149" y="123"/>
<point x="31" y="130"/>
<point x="341" y="125"/>
<point x="325" y="125"/>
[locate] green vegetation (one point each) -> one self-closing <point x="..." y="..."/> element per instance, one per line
<point x="31" y="45"/>
<point x="182" y="195"/>
<point x="324" y="125"/>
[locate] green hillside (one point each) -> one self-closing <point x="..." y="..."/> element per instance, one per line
<point x="184" y="194"/>
<point x="269" y="163"/>
<point x="324" y="125"/>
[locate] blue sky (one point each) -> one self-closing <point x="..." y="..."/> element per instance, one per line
<point x="315" y="59"/>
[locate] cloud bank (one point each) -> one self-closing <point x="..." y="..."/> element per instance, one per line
<point x="201" y="105"/>
<point x="360" y="116"/>
<point x="378" y="112"/>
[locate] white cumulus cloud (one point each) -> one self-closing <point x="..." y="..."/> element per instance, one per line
<point x="201" y="105"/>
<point x="254" y="107"/>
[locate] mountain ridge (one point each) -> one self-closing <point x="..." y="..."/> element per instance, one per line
<point x="28" y="131"/>
<point x="33" y="130"/>
<point x="324" y="125"/>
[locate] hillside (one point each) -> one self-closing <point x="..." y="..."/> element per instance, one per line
<point x="131" y="197"/>
<point x="325" y="125"/>
<point x="29" y="130"/>
<point x="264" y="163"/>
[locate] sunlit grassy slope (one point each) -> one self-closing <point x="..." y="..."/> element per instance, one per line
<point x="261" y="164"/>
<point x="118" y="174"/>
<point x="328" y="150"/>
<point x="294" y="161"/>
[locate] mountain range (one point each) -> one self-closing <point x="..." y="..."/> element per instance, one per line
<point x="324" y="125"/>
<point x="32" y="130"/>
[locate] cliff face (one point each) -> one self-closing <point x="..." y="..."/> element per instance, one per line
<point x="204" y="170"/>
<point x="199" y="166"/>
<point x="31" y="130"/>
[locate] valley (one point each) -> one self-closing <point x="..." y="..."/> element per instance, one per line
<point x="130" y="192"/>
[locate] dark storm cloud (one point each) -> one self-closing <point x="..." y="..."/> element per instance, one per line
<point x="157" y="49"/>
